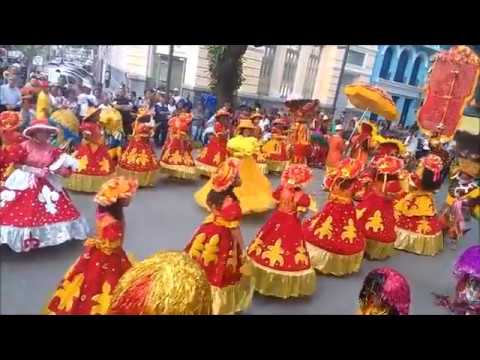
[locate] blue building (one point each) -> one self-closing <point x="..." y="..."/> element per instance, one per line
<point x="402" y="70"/>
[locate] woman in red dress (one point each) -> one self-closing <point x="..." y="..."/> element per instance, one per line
<point x="215" y="152"/>
<point x="10" y="138"/>
<point x="35" y="211"/>
<point x="217" y="244"/>
<point x="95" y="165"/>
<point x="334" y="242"/>
<point x="299" y="139"/>
<point x="138" y="160"/>
<point x="419" y="229"/>
<point x="87" y="287"/>
<point x="279" y="259"/>
<point x="176" y="159"/>
<point x="375" y="213"/>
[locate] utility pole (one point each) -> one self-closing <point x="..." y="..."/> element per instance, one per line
<point x="169" y="71"/>
<point x="342" y="70"/>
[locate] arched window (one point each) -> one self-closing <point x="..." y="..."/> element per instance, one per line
<point x="402" y="65"/>
<point x="416" y="68"/>
<point x="387" y="61"/>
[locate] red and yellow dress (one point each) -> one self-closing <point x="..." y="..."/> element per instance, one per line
<point x="334" y="241"/>
<point x="176" y="159"/>
<point x="87" y="287"/>
<point x="216" y="251"/>
<point x="215" y="152"/>
<point x="279" y="259"/>
<point x="275" y="151"/>
<point x="10" y="139"/>
<point x="138" y="160"/>
<point x="418" y="229"/>
<point x="95" y="165"/>
<point x="255" y="192"/>
<point x="300" y="143"/>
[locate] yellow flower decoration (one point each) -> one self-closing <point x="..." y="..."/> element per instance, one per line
<point x="423" y="227"/>
<point x="326" y="229"/>
<point x="359" y="212"/>
<point x="82" y="163"/>
<point x="216" y="159"/>
<point x="142" y="158"/>
<point x="103" y="300"/>
<point x="69" y="291"/>
<point x="176" y="158"/>
<point x="349" y="231"/>
<point x="132" y="156"/>
<point x="211" y="250"/>
<point x="301" y="256"/>
<point x="375" y="222"/>
<point x="115" y="189"/>
<point x="274" y="254"/>
<point x="257" y="246"/>
<point x="197" y="246"/>
<point x="105" y="165"/>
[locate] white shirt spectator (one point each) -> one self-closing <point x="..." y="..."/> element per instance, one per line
<point x="83" y="100"/>
<point x="264" y="123"/>
<point x="10" y="96"/>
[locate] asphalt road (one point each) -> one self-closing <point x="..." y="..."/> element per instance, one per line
<point x="165" y="217"/>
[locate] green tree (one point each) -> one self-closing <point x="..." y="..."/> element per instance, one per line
<point x="226" y="70"/>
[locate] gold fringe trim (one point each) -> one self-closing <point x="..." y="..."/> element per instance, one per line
<point x="377" y="250"/>
<point x="233" y="298"/>
<point x="179" y="171"/>
<point x="419" y="243"/>
<point x="204" y="169"/>
<point x="86" y="183"/>
<point x="282" y="284"/>
<point x="145" y="179"/>
<point x="334" y="264"/>
<point x="276" y="165"/>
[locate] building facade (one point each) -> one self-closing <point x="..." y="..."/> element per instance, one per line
<point x="402" y="71"/>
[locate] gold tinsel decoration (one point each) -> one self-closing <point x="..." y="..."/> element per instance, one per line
<point x="171" y="284"/>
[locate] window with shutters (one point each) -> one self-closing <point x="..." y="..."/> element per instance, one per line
<point x="266" y="70"/>
<point x="312" y="70"/>
<point x="289" y="70"/>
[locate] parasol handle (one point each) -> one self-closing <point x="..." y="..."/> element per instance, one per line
<point x="354" y="130"/>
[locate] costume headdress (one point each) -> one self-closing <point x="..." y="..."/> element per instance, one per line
<point x="225" y="175"/>
<point x="115" y="189"/>
<point x="168" y="283"/>
<point x="387" y="286"/>
<point x="41" y="120"/>
<point x="296" y="175"/>
<point x="9" y="120"/>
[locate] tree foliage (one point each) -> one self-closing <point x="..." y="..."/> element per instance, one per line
<point x="226" y="70"/>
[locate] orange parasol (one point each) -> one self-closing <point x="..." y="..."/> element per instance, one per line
<point x="372" y="98"/>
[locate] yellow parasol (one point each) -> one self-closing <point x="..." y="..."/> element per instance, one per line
<point x="372" y="98"/>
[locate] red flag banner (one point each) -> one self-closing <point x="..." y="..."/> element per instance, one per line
<point x="450" y="87"/>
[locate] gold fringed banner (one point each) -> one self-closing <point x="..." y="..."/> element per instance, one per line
<point x="334" y="264"/>
<point x="420" y="244"/>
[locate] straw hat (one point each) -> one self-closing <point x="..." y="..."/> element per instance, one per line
<point x="245" y="124"/>
<point x="296" y="175"/>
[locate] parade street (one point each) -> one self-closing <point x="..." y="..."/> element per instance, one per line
<point x="165" y="217"/>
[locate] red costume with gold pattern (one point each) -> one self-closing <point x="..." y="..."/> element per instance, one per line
<point x="334" y="242"/>
<point x="95" y="165"/>
<point x="215" y="152"/>
<point x="138" y="160"/>
<point x="216" y="248"/>
<point x="87" y="287"/>
<point x="419" y="229"/>
<point x="280" y="262"/>
<point x="176" y="159"/>
<point x="375" y="213"/>
<point x="10" y="138"/>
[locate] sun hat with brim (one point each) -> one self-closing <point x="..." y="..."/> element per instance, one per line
<point x="245" y="124"/>
<point x="91" y="113"/>
<point x="39" y="124"/>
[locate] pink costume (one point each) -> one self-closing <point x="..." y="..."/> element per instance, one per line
<point x="35" y="211"/>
